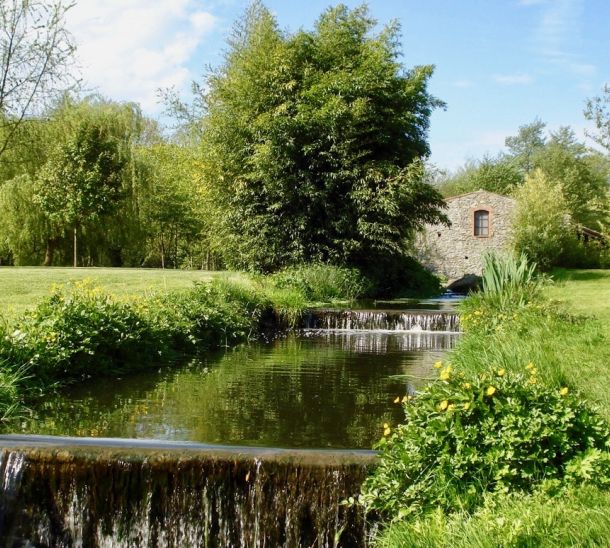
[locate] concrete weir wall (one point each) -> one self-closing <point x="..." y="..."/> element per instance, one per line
<point x="93" y="492"/>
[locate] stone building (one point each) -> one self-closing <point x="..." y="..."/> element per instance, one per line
<point x="480" y="221"/>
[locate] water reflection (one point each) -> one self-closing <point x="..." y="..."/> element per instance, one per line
<point x="319" y="389"/>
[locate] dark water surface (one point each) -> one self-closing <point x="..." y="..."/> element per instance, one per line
<point x="308" y="390"/>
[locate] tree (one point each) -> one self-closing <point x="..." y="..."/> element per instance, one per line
<point x="598" y="111"/>
<point x="524" y="146"/>
<point x="82" y="180"/>
<point x="36" y="53"/>
<point x="583" y="182"/>
<point x="542" y="222"/>
<point x="313" y="141"/>
<point x="169" y="207"/>
<point x="493" y="174"/>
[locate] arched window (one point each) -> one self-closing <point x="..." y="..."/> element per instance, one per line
<point x="481" y="222"/>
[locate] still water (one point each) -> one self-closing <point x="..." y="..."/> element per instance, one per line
<point x="314" y="389"/>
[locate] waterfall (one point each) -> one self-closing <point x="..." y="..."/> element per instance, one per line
<point x="388" y="320"/>
<point x="85" y="492"/>
<point x="11" y="471"/>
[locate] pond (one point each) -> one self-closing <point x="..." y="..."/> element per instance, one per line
<point x="318" y="388"/>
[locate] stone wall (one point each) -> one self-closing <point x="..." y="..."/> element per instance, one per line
<point x="455" y="251"/>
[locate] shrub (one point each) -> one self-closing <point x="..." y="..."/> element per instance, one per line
<point x="542" y="224"/>
<point x="499" y="431"/>
<point x="79" y="330"/>
<point x="322" y="283"/>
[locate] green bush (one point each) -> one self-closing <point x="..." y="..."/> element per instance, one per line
<point x="322" y="282"/>
<point x="79" y="330"/>
<point x="465" y="436"/>
<point x="543" y="230"/>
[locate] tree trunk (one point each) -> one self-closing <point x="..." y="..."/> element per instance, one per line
<point x="49" y="252"/>
<point x="162" y="252"/>
<point x="75" y="246"/>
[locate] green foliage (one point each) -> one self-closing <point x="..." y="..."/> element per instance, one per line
<point x="542" y="229"/>
<point x="322" y="283"/>
<point x="491" y="174"/>
<point x="578" y="517"/>
<point x="583" y="179"/>
<point x="311" y="144"/>
<point x="509" y="282"/>
<point x="598" y="111"/>
<point x="23" y="230"/>
<point x="526" y="145"/>
<point x="497" y="432"/>
<point x="79" y="331"/>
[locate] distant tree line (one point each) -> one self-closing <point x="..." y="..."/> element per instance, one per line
<point x="560" y="184"/>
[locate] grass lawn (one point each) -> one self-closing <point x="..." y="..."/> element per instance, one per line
<point x="584" y="292"/>
<point x="22" y="287"/>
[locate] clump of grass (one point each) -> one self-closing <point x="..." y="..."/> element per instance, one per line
<point x="509" y="281"/>
<point x="578" y="518"/>
<point x="322" y="282"/>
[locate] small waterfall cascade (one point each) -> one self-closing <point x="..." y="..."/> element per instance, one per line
<point x="383" y="320"/>
<point x="115" y="493"/>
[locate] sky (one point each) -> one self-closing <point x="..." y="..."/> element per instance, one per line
<point x="499" y="64"/>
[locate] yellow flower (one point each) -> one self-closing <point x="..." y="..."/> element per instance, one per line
<point x="491" y="390"/>
<point x="451" y="407"/>
<point x="438" y="365"/>
<point x="477" y="312"/>
<point x="446" y="373"/>
<point x="467" y="385"/>
<point x="564" y="391"/>
<point x="406" y="398"/>
<point x="397" y="400"/>
<point x="443" y="405"/>
<point x="386" y="429"/>
<point x="530" y="366"/>
<point x="466" y="406"/>
<point x="386" y="425"/>
<point x="501" y="372"/>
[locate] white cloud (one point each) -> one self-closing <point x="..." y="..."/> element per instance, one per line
<point x="519" y="79"/>
<point x="129" y="48"/>
<point x="559" y="28"/>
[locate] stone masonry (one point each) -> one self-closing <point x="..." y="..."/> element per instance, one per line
<point x="455" y="251"/>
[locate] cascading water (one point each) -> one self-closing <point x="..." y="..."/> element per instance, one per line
<point x="11" y="470"/>
<point x="330" y="385"/>
<point x="73" y="493"/>
<point x="389" y="320"/>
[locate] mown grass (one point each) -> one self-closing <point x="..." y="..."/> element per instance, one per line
<point x="569" y="343"/>
<point x="22" y="287"/>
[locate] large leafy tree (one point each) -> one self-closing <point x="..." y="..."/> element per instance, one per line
<point x="313" y="143"/>
<point x="82" y="180"/>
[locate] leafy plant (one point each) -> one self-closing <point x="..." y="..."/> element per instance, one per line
<point x="498" y="432"/>
<point x="322" y="282"/>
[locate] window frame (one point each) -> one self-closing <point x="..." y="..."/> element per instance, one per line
<point x="476" y="227"/>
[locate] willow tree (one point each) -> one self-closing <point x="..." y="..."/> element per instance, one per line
<point x="313" y="143"/>
<point x="82" y="180"/>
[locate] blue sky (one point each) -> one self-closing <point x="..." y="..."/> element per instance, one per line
<point x="499" y="63"/>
